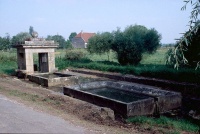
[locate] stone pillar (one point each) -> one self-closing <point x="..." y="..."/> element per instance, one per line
<point x="21" y="59"/>
<point x="51" y="59"/>
<point x="29" y="61"/>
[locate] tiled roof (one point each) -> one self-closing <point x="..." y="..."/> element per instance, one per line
<point x="84" y="36"/>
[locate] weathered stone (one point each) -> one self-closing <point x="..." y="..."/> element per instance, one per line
<point x="45" y="50"/>
<point x="156" y="100"/>
<point x="50" y="81"/>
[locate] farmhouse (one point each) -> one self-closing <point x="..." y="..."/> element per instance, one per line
<point x="81" y="39"/>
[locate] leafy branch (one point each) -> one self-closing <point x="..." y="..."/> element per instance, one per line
<point x="185" y="41"/>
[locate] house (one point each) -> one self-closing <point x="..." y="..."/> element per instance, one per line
<point x="81" y="39"/>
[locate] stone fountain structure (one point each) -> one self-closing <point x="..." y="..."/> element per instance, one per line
<point x="124" y="98"/>
<point x="46" y="55"/>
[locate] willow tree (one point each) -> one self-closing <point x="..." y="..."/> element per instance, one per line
<point x="182" y="53"/>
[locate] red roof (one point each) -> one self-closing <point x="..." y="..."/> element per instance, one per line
<point x="84" y="36"/>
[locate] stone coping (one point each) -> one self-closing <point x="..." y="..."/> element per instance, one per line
<point x="37" y="43"/>
<point x="185" y="88"/>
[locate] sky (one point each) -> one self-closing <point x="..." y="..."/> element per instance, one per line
<point x="62" y="17"/>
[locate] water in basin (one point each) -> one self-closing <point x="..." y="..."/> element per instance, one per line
<point x="120" y="95"/>
<point x="50" y="76"/>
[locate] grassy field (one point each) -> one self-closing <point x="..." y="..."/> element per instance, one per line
<point x="8" y="62"/>
<point x="158" y="58"/>
<point x="152" y="65"/>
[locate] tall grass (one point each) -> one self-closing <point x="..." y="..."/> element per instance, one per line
<point x="6" y="56"/>
<point x="8" y="62"/>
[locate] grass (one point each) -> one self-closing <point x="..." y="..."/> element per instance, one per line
<point x="8" y="62"/>
<point x="23" y="95"/>
<point x="151" y="66"/>
<point x="164" y="122"/>
<point x="31" y="97"/>
<point x="157" y="58"/>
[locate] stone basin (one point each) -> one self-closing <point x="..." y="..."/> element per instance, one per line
<point x="49" y="79"/>
<point x="126" y="99"/>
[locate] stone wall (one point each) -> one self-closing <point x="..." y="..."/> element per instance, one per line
<point x="78" y="42"/>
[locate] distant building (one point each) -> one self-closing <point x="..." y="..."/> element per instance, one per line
<point x="81" y="39"/>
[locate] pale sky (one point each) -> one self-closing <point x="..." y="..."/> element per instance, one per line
<point x="51" y="17"/>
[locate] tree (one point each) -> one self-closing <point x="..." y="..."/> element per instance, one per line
<point x="59" y="39"/>
<point x="20" y="38"/>
<point x="72" y="35"/>
<point x="128" y="44"/>
<point x="100" y="43"/>
<point x="133" y="41"/>
<point x="185" y="41"/>
<point x="5" y="42"/>
<point x="68" y="44"/>
<point x="187" y="51"/>
<point x="152" y="40"/>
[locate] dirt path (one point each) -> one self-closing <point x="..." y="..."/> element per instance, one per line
<point x="89" y="118"/>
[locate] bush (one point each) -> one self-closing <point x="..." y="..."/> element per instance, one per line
<point x="75" y="54"/>
<point x="133" y="42"/>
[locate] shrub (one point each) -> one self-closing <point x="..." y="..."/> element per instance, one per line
<point x="75" y="54"/>
<point x="133" y="42"/>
